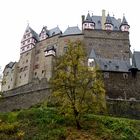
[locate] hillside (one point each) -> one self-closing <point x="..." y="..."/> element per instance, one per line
<point x="45" y="123"/>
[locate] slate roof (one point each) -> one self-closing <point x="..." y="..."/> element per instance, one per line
<point x="50" y="48"/>
<point x="124" y="22"/>
<point x="10" y="65"/>
<point x="54" y="31"/>
<point x="98" y="22"/>
<point x="88" y="18"/>
<point x="35" y="35"/>
<point x="92" y="54"/>
<point x="113" y="65"/>
<point x="136" y="59"/>
<point x="108" y="20"/>
<point x="72" y="31"/>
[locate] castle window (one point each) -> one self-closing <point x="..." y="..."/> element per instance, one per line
<point x="65" y="49"/>
<point x="23" y="43"/>
<point x="22" y="49"/>
<point x="28" y="35"/>
<point x="43" y="71"/>
<point x="36" y="66"/>
<point x="28" y="41"/>
<point x="27" y="54"/>
<point x="27" y="61"/>
<point x="25" y="68"/>
<point x="21" y="69"/>
<point x="11" y="79"/>
<point x="24" y="36"/>
<point x="35" y="73"/>
<point x="105" y="66"/>
<point x="92" y="64"/>
<point x="106" y="75"/>
<point x="8" y="87"/>
<point x="125" y="75"/>
<point x="37" y="51"/>
<point x="53" y="33"/>
<point x="117" y="67"/>
<point x="25" y="75"/>
<point x="20" y="77"/>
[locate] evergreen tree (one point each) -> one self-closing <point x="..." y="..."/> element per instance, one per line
<point x="77" y="88"/>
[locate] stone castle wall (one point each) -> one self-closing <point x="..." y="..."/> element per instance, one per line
<point x="123" y="85"/>
<point x="25" y="96"/>
<point x="110" y="45"/>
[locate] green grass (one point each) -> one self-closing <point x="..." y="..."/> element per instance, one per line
<point x="45" y="123"/>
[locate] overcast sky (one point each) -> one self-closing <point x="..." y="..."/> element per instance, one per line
<point x="15" y="14"/>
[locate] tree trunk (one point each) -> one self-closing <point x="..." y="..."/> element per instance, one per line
<point x="78" y="124"/>
<point x="77" y="119"/>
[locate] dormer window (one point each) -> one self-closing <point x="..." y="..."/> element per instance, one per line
<point x="105" y="66"/>
<point x="91" y="64"/>
<point x="28" y="35"/>
<point x="117" y="67"/>
<point x="53" y="33"/>
<point x="99" y="22"/>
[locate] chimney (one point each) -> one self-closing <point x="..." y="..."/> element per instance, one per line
<point x="103" y="19"/>
<point x="83" y="18"/>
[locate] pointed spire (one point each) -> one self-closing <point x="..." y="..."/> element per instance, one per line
<point x="124" y="21"/>
<point x="124" y="25"/>
<point x="88" y="18"/>
<point x="92" y="54"/>
<point x="108" y="20"/>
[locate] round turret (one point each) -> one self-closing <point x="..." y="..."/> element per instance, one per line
<point x="108" y="23"/>
<point x="124" y="25"/>
<point x="88" y="23"/>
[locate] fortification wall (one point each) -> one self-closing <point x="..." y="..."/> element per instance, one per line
<point x="123" y="85"/>
<point x="25" y="96"/>
<point x="124" y="108"/>
<point x="23" y="100"/>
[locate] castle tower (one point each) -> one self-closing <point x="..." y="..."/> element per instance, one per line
<point x="88" y="23"/>
<point x="50" y="53"/>
<point x="108" y="23"/>
<point x="27" y="53"/>
<point x="124" y="25"/>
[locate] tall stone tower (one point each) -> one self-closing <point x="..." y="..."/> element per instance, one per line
<point x="27" y="52"/>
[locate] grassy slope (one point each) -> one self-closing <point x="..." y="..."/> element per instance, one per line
<point x="42" y="123"/>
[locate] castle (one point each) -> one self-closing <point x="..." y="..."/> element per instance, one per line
<point x="107" y="45"/>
